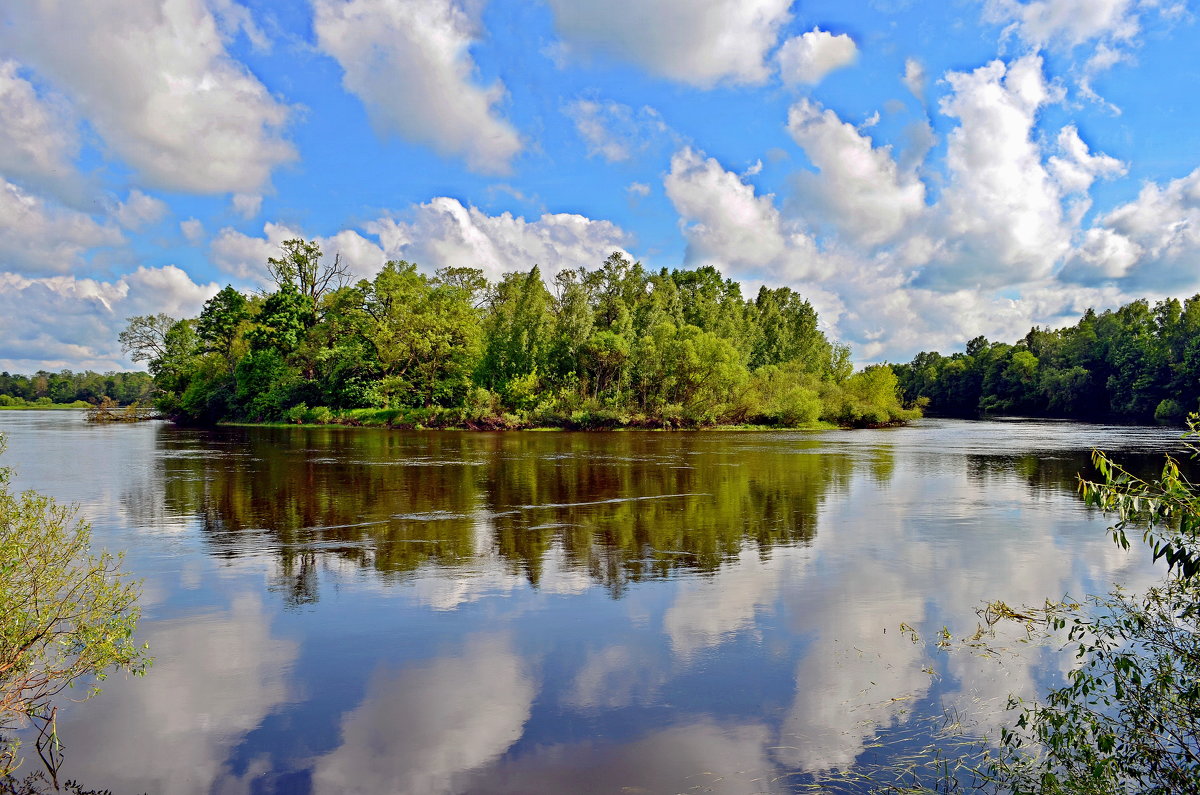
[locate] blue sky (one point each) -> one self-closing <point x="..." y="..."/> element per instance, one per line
<point x="923" y="172"/>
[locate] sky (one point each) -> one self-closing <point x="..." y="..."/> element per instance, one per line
<point x="922" y="172"/>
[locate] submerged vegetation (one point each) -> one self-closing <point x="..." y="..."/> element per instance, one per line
<point x="613" y="347"/>
<point x="1139" y="363"/>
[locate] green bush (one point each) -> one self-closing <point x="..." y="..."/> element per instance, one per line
<point x="1169" y="412"/>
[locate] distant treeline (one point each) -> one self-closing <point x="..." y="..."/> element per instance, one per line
<point x="615" y="346"/>
<point x="1137" y="363"/>
<point x="43" y="388"/>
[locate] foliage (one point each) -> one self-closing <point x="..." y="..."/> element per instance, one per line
<point x="65" y="387"/>
<point x="1138" y="362"/>
<point x="614" y="346"/>
<point x="68" y="613"/>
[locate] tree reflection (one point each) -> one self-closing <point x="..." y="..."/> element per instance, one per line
<point x="623" y="507"/>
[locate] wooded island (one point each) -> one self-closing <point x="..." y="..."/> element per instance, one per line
<point x="613" y="347"/>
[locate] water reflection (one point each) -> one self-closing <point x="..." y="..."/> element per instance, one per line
<point x="216" y="676"/>
<point x="423" y="728"/>
<point x="623" y="507"/>
<point x="337" y="610"/>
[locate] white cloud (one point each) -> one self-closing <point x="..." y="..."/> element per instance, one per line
<point x="442" y="232"/>
<point x="409" y="62"/>
<point x="914" y="77"/>
<point x="247" y="205"/>
<point x="728" y="226"/>
<point x="697" y="43"/>
<point x="1077" y="168"/>
<point x="138" y="210"/>
<point x="614" y="131"/>
<point x="1065" y="22"/>
<point x="38" y="139"/>
<point x="638" y="189"/>
<point x="192" y="229"/>
<point x="245" y="257"/>
<point x="860" y="189"/>
<point x="87" y="316"/>
<point x="1001" y="213"/>
<point x="155" y="80"/>
<point x="40" y="237"/>
<point x="1107" y="29"/>
<point x="1149" y="244"/>
<point x="809" y="57"/>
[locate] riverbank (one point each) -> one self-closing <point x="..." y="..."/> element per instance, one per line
<point x="816" y="426"/>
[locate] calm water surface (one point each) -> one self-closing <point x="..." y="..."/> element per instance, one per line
<point x="352" y="610"/>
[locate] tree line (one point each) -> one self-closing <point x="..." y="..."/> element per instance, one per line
<point x="615" y="346"/>
<point x="46" y="388"/>
<point x="1136" y="363"/>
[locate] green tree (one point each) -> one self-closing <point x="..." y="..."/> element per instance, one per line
<point x="221" y="322"/>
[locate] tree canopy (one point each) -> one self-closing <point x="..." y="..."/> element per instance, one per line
<point x="614" y="346"/>
<point x="1136" y="363"/>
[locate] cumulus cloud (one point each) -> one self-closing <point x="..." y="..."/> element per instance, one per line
<point x="809" y="57"/>
<point x="1075" y="167"/>
<point x="1106" y="30"/>
<point x="728" y="226"/>
<point x="697" y="43"/>
<point x="410" y="64"/>
<point x="87" y="316"/>
<point x="192" y="229"/>
<point x="157" y="83"/>
<point x="443" y="232"/>
<point x="245" y="256"/>
<point x="440" y="233"/>
<point x="1001" y="213"/>
<point x="38" y="139"/>
<point x="614" y="131"/>
<point x="138" y="210"/>
<point x="38" y="236"/>
<point x="860" y="189"/>
<point x="1149" y="244"/>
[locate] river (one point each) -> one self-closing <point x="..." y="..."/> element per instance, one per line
<point x="359" y="610"/>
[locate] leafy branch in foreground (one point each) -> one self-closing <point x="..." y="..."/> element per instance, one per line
<point x="1128" y="718"/>
<point x="67" y="616"/>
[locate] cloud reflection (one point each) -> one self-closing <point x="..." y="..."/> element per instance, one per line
<point x="215" y="678"/>
<point x="703" y="757"/>
<point x="420" y="729"/>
